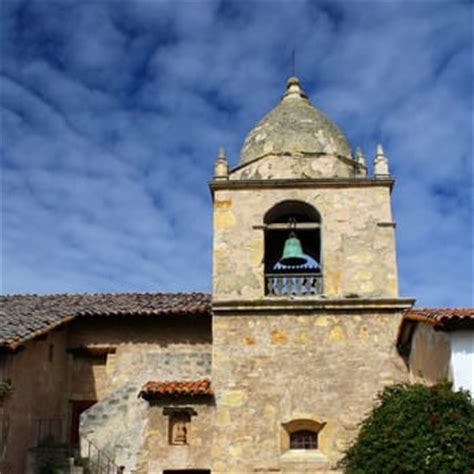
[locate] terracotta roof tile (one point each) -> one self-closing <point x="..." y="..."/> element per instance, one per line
<point x="23" y="317"/>
<point x="439" y="317"/>
<point x="154" y="389"/>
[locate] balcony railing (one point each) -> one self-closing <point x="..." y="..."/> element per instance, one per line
<point x="293" y="284"/>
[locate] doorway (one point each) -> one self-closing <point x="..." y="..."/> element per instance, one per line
<point x="187" y="471"/>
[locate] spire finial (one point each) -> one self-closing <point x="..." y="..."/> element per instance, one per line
<point x="221" y="167"/>
<point x="361" y="169"/>
<point x="293" y="62"/>
<point x="381" y="162"/>
<point x="221" y="153"/>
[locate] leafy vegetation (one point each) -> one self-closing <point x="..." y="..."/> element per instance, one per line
<point x="5" y="389"/>
<point x="415" y="429"/>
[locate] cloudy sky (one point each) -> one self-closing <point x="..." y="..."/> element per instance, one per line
<point x="112" y="113"/>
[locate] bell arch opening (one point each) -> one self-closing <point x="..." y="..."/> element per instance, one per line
<point x="292" y="257"/>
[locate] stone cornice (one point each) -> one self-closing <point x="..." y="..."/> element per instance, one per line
<point x="302" y="183"/>
<point x="279" y="305"/>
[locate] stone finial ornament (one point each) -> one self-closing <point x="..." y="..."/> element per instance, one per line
<point x="381" y="163"/>
<point x="221" y="167"/>
<point x="293" y="88"/>
<point x="361" y="169"/>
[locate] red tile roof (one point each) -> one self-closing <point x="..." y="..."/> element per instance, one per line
<point x="23" y="317"/>
<point x="154" y="389"/>
<point x="439" y="317"/>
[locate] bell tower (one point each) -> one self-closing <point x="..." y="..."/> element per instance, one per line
<point x="304" y="286"/>
<point x="297" y="177"/>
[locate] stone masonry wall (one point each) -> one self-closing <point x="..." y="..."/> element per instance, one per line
<point x="147" y="349"/>
<point x="358" y="243"/>
<point x="159" y="455"/>
<point x="271" y="369"/>
<point x="296" y="167"/>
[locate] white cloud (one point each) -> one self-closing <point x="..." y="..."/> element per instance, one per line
<point x="112" y="113"/>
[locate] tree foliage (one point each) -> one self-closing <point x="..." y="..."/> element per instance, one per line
<point x="415" y="429"/>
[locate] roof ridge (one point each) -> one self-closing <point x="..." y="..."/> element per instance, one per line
<point x="113" y="293"/>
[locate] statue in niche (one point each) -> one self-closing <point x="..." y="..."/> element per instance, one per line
<point x="179" y="424"/>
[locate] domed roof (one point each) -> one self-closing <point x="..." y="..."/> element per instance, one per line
<point x="294" y="126"/>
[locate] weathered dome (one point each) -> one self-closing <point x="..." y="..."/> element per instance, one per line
<point x="294" y="126"/>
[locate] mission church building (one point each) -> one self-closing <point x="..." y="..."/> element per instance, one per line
<point x="271" y="373"/>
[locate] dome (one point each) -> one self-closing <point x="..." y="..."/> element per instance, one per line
<point x="294" y="126"/>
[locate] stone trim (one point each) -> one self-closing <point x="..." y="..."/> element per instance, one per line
<point x="302" y="183"/>
<point x="275" y="304"/>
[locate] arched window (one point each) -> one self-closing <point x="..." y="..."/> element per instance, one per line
<point x="293" y="250"/>
<point x="304" y="439"/>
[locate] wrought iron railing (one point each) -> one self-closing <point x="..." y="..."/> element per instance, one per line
<point x="50" y="443"/>
<point x="293" y="284"/>
<point x="96" y="461"/>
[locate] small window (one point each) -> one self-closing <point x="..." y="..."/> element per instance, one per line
<point x="302" y="434"/>
<point x="304" y="439"/>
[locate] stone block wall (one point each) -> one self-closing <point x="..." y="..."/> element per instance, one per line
<point x="269" y="369"/>
<point x="158" y="349"/>
<point x="358" y="241"/>
<point x="158" y="454"/>
<point x="296" y="166"/>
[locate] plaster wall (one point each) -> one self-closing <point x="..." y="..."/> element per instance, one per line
<point x="430" y="355"/>
<point x="38" y="374"/>
<point x="462" y="359"/>
<point x="270" y="369"/>
<point x="358" y="241"/>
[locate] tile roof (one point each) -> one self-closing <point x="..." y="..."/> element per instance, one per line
<point x="23" y="317"/>
<point x="154" y="389"/>
<point x="439" y="317"/>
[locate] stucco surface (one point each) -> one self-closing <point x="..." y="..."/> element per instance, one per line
<point x="430" y="355"/>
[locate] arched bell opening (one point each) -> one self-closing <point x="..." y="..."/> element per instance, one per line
<point x="293" y="250"/>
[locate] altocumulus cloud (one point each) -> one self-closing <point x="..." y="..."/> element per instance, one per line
<point x="112" y="113"/>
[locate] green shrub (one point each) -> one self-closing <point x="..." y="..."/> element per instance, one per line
<point x="415" y="429"/>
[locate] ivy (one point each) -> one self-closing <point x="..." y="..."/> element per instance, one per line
<point x="415" y="429"/>
<point x="5" y="389"/>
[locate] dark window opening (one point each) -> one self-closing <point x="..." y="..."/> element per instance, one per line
<point x="187" y="471"/>
<point x="292" y="250"/>
<point x="304" y="439"/>
<point x="77" y="407"/>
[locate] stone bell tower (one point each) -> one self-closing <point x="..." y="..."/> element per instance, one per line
<point x="305" y="292"/>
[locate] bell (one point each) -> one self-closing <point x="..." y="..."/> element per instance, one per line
<point x="293" y="252"/>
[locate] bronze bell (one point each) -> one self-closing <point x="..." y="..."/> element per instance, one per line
<point x="293" y="252"/>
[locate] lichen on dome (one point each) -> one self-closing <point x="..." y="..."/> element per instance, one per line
<point x="294" y="127"/>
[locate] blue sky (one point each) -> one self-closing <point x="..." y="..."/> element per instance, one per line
<point x="112" y="113"/>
